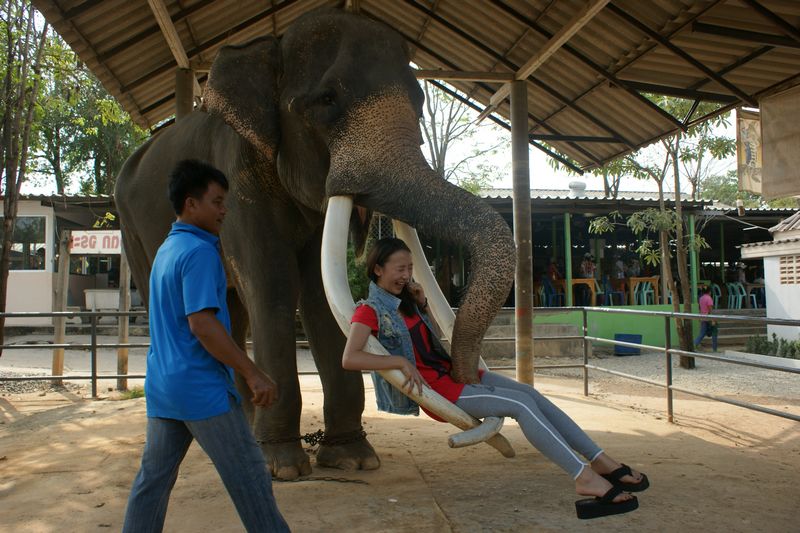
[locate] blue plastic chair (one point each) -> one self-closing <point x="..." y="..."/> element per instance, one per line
<point x="716" y="294"/>
<point x="644" y="293"/>
<point x="552" y="298"/>
<point x="744" y="296"/>
<point x="734" y="297"/>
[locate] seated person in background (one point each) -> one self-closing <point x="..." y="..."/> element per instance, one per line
<point x="620" y="269"/>
<point x="552" y="271"/>
<point x="587" y="266"/>
<point x="405" y="331"/>
<point x="635" y="270"/>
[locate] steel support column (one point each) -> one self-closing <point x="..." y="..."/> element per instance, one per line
<point x="523" y="282"/>
<point x="567" y="260"/>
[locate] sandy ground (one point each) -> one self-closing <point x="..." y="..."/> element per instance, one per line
<point x="66" y="464"/>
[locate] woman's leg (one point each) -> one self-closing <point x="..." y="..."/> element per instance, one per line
<point x="481" y="401"/>
<point x="577" y="439"/>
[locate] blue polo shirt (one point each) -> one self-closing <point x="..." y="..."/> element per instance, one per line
<point x="184" y="381"/>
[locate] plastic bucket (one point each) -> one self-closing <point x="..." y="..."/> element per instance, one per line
<point x="627" y="337"/>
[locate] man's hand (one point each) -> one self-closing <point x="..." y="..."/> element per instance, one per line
<point x="264" y="390"/>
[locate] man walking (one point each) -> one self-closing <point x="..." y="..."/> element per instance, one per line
<point x="706" y="326"/>
<point x="189" y="388"/>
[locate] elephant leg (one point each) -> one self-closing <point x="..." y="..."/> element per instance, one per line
<point x="239" y="322"/>
<point x="269" y="279"/>
<point x="344" y="447"/>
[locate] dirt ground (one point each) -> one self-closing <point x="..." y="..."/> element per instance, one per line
<point x="66" y="465"/>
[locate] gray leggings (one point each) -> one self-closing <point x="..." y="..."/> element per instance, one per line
<point x="545" y="426"/>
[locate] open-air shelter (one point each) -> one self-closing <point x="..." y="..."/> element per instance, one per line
<point x="571" y="76"/>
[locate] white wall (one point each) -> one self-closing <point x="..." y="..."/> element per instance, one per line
<point x="32" y="290"/>
<point x="783" y="301"/>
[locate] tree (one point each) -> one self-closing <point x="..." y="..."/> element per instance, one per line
<point x="448" y="126"/>
<point x="688" y="156"/>
<point x="21" y="61"/>
<point x="725" y="188"/>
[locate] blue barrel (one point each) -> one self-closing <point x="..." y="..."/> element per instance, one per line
<point x="627" y="337"/>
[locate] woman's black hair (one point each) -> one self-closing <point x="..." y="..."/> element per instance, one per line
<point x="378" y="255"/>
<point x="191" y="177"/>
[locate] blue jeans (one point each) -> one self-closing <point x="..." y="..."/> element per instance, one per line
<point x="705" y="326"/>
<point x="229" y="443"/>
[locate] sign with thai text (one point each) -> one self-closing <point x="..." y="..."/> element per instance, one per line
<point x="104" y="242"/>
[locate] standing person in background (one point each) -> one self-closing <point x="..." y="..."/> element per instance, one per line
<point x="707" y="326"/>
<point x="552" y="271"/>
<point x="189" y="388"/>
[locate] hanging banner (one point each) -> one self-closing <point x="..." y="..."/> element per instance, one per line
<point x="104" y="242"/>
<point x="780" y="133"/>
<point x="748" y="150"/>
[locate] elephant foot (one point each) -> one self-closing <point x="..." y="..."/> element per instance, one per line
<point x="358" y="455"/>
<point x="286" y="460"/>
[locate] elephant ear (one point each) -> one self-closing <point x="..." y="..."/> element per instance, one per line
<point x="242" y="91"/>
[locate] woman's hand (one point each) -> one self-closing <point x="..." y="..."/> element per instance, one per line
<point x="413" y="377"/>
<point x="418" y="293"/>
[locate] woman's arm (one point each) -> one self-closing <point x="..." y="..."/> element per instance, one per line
<point x="355" y="358"/>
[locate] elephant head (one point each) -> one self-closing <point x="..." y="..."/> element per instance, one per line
<point x="335" y="105"/>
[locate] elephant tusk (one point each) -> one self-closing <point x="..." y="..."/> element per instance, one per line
<point x="438" y="304"/>
<point x="337" y="292"/>
<point x="289" y="105"/>
<point x="493" y="425"/>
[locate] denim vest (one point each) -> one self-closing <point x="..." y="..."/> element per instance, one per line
<point x="395" y="337"/>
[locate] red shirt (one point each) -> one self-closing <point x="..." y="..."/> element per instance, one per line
<point x="434" y="369"/>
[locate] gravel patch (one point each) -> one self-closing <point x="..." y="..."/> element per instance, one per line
<point x="22" y="387"/>
<point x="712" y="377"/>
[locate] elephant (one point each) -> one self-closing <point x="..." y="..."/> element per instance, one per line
<point x="330" y="108"/>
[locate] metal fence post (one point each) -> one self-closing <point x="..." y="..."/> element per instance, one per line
<point x="668" y="353"/>
<point x="585" y="353"/>
<point x="94" y="356"/>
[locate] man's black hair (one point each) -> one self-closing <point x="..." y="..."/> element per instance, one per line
<point x="191" y="177"/>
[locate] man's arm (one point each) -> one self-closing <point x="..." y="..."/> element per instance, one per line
<point x="215" y="339"/>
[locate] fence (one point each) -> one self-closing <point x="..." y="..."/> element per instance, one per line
<point x="667" y="350"/>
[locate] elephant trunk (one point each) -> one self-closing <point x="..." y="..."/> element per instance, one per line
<point x="376" y="158"/>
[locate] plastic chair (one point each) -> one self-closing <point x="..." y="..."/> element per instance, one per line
<point x="734" y="297"/>
<point x="645" y="294"/>
<point x="744" y="296"/>
<point x="551" y="296"/>
<point x="609" y="292"/>
<point x="716" y="294"/>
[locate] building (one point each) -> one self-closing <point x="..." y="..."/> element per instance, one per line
<point x="781" y="258"/>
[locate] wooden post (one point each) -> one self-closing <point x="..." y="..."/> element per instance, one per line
<point x="567" y="260"/>
<point x="523" y="282"/>
<point x="184" y="92"/>
<point x="123" y="321"/>
<point x="60" y="304"/>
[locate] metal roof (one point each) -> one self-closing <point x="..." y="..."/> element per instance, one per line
<point x="561" y="194"/>
<point x="586" y="99"/>
<point x="790" y="224"/>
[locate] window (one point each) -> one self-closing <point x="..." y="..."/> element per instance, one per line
<point x="790" y="269"/>
<point x="28" y="247"/>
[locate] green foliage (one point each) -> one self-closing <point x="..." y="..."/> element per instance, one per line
<point x="775" y="347"/>
<point x="135" y="392"/>
<point x="725" y="188"/>
<point x="356" y="275"/>
<point x="82" y="134"/>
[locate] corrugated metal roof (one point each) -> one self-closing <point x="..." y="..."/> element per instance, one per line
<point x="790" y="224"/>
<point x="560" y="194"/>
<point x="591" y="87"/>
<point x="768" y="243"/>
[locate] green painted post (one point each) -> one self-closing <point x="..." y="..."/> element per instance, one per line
<point x="693" y="263"/>
<point x="568" y="259"/>
<point x="722" y="252"/>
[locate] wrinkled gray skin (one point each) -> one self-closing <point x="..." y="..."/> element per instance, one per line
<point x="331" y="108"/>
